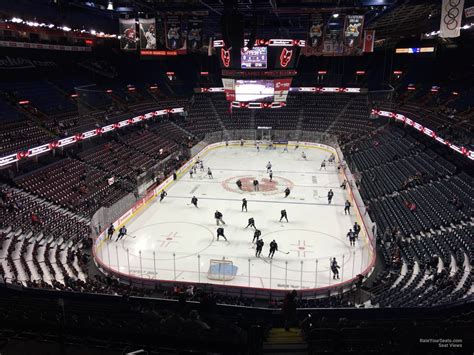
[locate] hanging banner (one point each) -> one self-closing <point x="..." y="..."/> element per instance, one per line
<point x="333" y="40"/>
<point x="128" y="33"/>
<point x="194" y="33"/>
<point x="469" y="11"/>
<point x="173" y="32"/>
<point x="316" y="31"/>
<point x="369" y="39"/>
<point x="451" y="16"/>
<point x="282" y="86"/>
<point x="147" y="33"/>
<point x="352" y="33"/>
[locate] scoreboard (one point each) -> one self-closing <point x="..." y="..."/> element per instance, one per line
<point x="272" y="54"/>
<point x="255" y="58"/>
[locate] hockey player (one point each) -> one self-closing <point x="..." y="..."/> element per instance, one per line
<point x="344" y="184"/>
<point x="218" y="216"/>
<point x="209" y="173"/>
<point x="194" y="201"/>
<point x="241" y="142"/>
<point x="195" y="168"/>
<point x="258" y="147"/>
<point x="251" y="223"/>
<point x="110" y="231"/>
<point x="297" y="145"/>
<point x="191" y="173"/>
<point x="347" y="207"/>
<point x="330" y="196"/>
<point x="335" y="269"/>
<point x="287" y="192"/>
<point x="269" y="167"/>
<point x="284" y="215"/>
<point x="122" y="233"/>
<point x="270" y="174"/>
<point x="303" y="155"/>
<point x="256" y="235"/>
<point x="239" y="184"/>
<point x="259" y="248"/>
<point x="201" y="165"/>
<point x="220" y="233"/>
<point x="273" y="248"/>
<point x="332" y="158"/>
<point x="163" y="195"/>
<point x="356" y="230"/>
<point x="351" y="237"/>
<point x="323" y="164"/>
<point x="244" y="204"/>
<point x="256" y="185"/>
<point x="286" y="148"/>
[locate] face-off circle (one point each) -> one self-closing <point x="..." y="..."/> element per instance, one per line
<point x="266" y="187"/>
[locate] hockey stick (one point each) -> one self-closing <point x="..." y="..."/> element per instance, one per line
<point x="284" y="252"/>
<point x="131" y="236"/>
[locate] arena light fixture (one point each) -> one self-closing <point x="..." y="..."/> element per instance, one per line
<point x="110" y="6"/>
<point x="335" y="15"/>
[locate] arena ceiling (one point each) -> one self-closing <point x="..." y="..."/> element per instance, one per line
<point x="392" y="19"/>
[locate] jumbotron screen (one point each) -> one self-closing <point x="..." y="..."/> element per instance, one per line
<point x="254" y="90"/>
<point x="255" y="58"/>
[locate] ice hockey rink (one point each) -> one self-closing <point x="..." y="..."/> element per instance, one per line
<point x="175" y="241"/>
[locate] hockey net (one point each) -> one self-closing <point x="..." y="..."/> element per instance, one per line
<point x="221" y="270"/>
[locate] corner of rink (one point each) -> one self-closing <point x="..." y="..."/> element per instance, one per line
<point x="173" y="241"/>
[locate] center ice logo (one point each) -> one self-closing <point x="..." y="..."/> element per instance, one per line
<point x="276" y="185"/>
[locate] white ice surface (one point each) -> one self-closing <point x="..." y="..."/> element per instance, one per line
<point x="315" y="233"/>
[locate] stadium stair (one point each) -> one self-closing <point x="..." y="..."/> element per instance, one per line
<point x="280" y="341"/>
<point x="185" y="131"/>
<point x="218" y="118"/>
<point x="341" y="114"/>
<point x="299" y="124"/>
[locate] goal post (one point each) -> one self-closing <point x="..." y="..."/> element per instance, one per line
<point x="221" y="270"/>
<point x="264" y="136"/>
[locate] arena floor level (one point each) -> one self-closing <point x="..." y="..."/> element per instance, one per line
<point x="176" y="241"/>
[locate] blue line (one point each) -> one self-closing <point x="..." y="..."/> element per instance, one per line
<point x="261" y="201"/>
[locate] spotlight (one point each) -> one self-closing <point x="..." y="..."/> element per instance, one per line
<point x="336" y="15"/>
<point x="110" y="6"/>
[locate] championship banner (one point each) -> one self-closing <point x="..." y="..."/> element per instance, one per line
<point x="147" y="33"/>
<point x="194" y="33"/>
<point x="316" y="31"/>
<point x="282" y="86"/>
<point x="369" y="39"/>
<point x="173" y="32"/>
<point x="229" y="88"/>
<point x="352" y="32"/>
<point x="451" y="16"/>
<point x="333" y="43"/>
<point x="128" y="33"/>
<point x="469" y="11"/>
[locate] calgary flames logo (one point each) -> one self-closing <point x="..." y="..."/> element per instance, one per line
<point x="285" y="57"/>
<point x="225" y="57"/>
